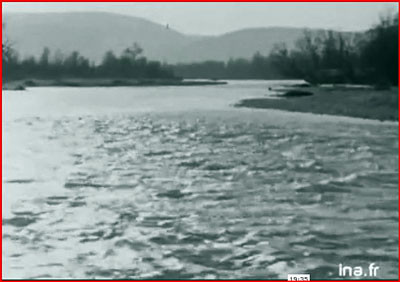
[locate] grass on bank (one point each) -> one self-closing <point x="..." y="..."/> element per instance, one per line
<point x="365" y="103"/>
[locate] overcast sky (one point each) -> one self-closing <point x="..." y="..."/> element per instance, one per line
<point x="217" y="18"/>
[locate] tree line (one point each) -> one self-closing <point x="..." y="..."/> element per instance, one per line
<point x="318" y="57"/>
<point x="129" y="64"/>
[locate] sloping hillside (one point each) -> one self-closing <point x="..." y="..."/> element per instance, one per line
<point x="92" y="34"/>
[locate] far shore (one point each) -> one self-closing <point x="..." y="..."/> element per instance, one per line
<point x="97" y="82"/>
<point x="366" y="103"/>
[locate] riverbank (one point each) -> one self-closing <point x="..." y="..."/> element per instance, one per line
<point x="342" y="101"/>
<point x="22" y="84"/>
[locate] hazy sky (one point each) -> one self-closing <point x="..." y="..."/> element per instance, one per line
<point x="217" y="18"/>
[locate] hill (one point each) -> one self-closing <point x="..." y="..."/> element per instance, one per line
<point x="92" y="34"/>
<point x="239" y="44"/>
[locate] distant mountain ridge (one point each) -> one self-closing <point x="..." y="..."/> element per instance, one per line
<point x="94" y="33"/>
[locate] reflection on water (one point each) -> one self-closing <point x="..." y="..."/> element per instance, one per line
<point x="208" y="194"/>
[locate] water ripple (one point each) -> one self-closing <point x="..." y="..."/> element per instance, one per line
<point x="138" y="197"/>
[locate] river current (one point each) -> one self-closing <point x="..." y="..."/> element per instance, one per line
<point x="176" y="183"/>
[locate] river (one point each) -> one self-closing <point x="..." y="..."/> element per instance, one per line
<point x="176" y="183"/>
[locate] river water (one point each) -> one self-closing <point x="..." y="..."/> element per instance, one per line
<point x="176" y="183"/>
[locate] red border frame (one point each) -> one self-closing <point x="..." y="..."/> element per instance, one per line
<point x="292" y="1"/>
